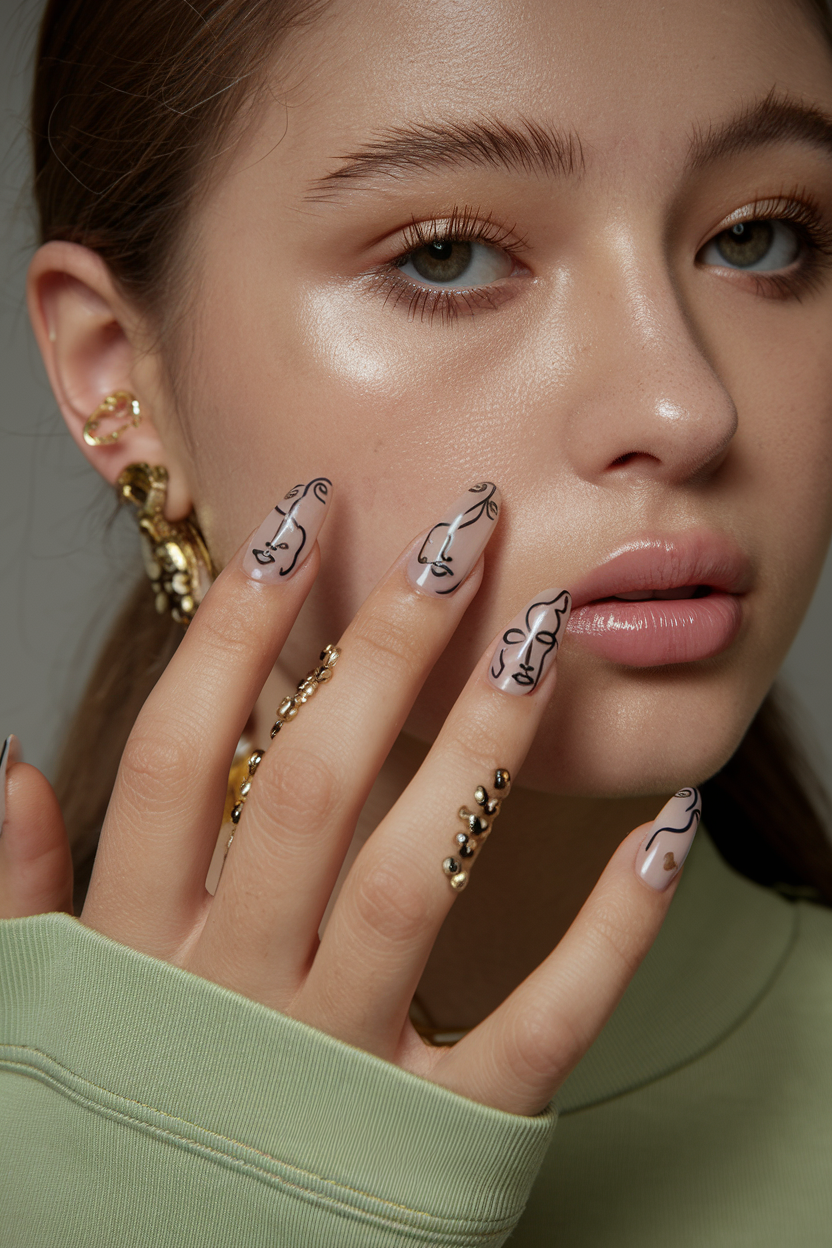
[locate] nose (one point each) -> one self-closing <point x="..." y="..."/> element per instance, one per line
<point x="647" y="403"/>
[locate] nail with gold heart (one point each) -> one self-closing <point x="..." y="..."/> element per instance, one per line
<point x="667" y="844"/>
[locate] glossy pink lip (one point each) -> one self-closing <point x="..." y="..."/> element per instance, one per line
<point x="657" y="632"/>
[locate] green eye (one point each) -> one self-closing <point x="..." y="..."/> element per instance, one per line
<point x="456" y="262"/>
<point x="761" y="246"/>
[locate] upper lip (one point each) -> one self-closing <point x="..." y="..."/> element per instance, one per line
<point x="698" y="557"/>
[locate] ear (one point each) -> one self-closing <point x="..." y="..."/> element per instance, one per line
<point x="94" y="343"/>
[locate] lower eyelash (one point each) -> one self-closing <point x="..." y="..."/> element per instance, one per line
<point x="427" y="303"/>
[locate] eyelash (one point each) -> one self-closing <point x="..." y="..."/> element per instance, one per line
<point x="427" y="302"/>
<point x="802" y="211"/>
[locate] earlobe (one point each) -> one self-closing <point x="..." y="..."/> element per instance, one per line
<point x="92" y="343"/>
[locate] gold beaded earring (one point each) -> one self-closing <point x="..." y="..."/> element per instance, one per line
<point x="174" y="552"/>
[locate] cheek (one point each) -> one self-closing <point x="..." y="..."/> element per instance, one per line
<point x="783" y="474"/>
<point x="323" y="381"/>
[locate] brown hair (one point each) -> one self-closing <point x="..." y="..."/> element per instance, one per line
<point x="131" y="101"/>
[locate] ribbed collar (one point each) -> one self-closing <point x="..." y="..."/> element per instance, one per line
<point x="723" y="943"/>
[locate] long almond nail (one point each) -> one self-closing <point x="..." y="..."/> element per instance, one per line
<point x="10" y="752"/>
<point x="667" y="844"/>
<point x="288" y="533"/>
<point x="455" y="542"/>
<point x="530" y="643"/>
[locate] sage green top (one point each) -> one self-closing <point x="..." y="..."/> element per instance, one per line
<point x="140" y="1105"/>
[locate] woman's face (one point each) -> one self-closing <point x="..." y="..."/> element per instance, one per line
<point x="586" y="315"/>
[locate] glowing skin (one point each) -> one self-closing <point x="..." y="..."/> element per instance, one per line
<point x="619" y="377"/>
<point x="621" y="390"/>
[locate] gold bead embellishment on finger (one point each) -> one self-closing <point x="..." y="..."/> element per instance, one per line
<point x="307" y="687"/>
<point x="253" y="762"/>
<point x="477" y="824"/>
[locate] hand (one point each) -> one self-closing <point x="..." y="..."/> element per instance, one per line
<point x="259" y="934"/>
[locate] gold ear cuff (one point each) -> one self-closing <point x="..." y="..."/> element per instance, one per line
<point x="122" y="405"/>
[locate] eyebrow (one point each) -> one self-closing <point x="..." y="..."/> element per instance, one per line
<point x="525" y="147"/>
<point x="534" y="149"/>
<point x="775" y="119"/>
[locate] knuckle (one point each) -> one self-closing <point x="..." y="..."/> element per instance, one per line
<point x="152" y="768"/>
<point x="155" y="756"/>
<point x="611" y="934"/>
<point x="389" y="639"/>
<point x="478" y="751"/>
<point x="541" y="1049"/>
<point x="389" y="907"/>
<point x="300" y="787"/>
<point x="221" y="633"/>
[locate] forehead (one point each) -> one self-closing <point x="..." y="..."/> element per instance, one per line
<point x="616" y="74"/>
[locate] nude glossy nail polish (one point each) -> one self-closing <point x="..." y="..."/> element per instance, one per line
<point x="666" y="846"/>
<point x="288" y="533"/>
<point x="529" y="645"/>
<point x="455" y="542"/>
<point x="10" y="752"/>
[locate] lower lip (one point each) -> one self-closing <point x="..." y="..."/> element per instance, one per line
<point x="658" y="631"/>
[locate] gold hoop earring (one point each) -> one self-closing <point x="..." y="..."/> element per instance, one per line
<point x="174" y="552"/>
<point x="119" y="406"/>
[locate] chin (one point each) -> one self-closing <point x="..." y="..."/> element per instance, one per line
<point x="613" y="732"/>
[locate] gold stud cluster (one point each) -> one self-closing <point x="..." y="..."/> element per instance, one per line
<point x="290" y="705"/>
<point x="477" y="828"/>
<point x="253" y="763"/>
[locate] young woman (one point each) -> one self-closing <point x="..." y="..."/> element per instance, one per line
<point x="548" y="281"/>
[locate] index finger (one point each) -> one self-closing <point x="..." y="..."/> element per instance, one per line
<point x="162" y="823"/>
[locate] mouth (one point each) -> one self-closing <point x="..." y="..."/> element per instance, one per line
<point x="663" y="595"/>
<point x="663" y="601"/>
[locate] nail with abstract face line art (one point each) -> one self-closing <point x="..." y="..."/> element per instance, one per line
<point x="529" y="645"/>
<point x="288" y="533"/>
<point x="666" y="846"/>
<point x="455" y="543"/>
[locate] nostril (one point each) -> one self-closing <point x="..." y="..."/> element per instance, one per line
<point x="622" y="460"/>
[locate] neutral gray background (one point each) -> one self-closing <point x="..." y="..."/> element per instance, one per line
<point x="63" y="565"/>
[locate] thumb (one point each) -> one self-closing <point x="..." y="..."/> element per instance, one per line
<point x="35" y="858"/>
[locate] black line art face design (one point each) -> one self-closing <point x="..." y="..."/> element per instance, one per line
<point x="461" y="534"/>
<point x="521" y="658"/>
<point x="289" y="541"/>
<point x="690" y="819"/>
<point x="435" y="550"/>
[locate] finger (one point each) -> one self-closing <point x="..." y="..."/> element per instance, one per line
<point x="520" y="1055"/>
<point x="35" y="859"/>
<point x="405" y="879"/>
<point x="161" y="826"/>
<point x="301" y="812"/>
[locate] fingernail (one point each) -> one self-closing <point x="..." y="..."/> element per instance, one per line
<point x="455" y="542"/>
<point x="11" y="752"/>
<point x="288" y="533"/>
<point x="530" y="643"/>
<point x="667" y="844"/>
